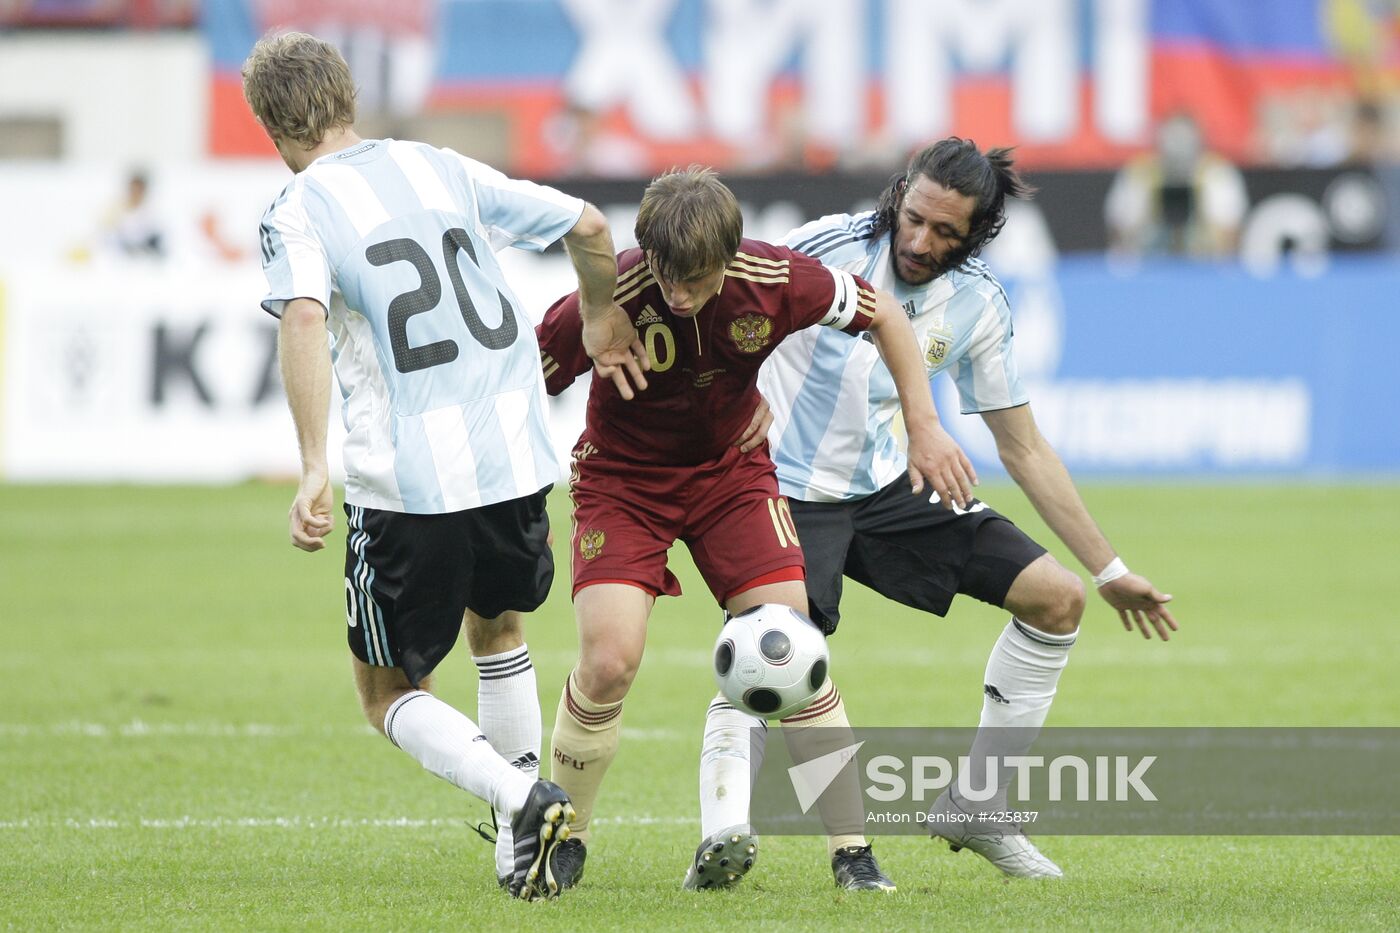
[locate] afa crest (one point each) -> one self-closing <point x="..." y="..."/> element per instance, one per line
<point x="590" y="544"/>
<point x="938" y="346"/>
<point x="752" y="332"/>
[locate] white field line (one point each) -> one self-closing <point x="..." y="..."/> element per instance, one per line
<point x="140" y="729"/>
<point x="1104" y="649"/>
<point x="1100" y="653"/>
<point x="296" y="822"/>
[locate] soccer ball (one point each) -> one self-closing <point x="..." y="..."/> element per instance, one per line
<point x="770" y="660"/>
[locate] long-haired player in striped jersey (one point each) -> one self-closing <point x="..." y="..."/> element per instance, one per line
<point x="839" y="463"/>
<point x="389" y="246"/>
<point x="671" y="464"/>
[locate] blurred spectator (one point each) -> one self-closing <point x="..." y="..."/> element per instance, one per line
<point x="1179" y="199"/>
<point x="132" y="227"/>
<point x="1318" y="127"/>
<point x="587" y="148"/>
<point x="1369" y="142"/>
<point x="1305" y="126"/>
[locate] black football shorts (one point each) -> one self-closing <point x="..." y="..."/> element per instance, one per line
<point x="410" y="578"/>
<point x="908" y="549"/>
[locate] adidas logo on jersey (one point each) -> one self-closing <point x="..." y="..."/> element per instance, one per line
<point x="648" y="316"/>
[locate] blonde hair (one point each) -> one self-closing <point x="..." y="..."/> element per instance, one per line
<point x="299" y="87"/>
<point x="689" y="223"/>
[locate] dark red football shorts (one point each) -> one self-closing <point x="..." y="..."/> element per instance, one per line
<point x="728" y="512"/>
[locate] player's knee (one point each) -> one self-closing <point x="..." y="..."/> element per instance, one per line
<point x="1060" y="606"/>
<point x="377" y="688"/>
<point x="374" y="714"/>
<point x="606" y="678"/>
<point x="485" y="636"/>
<point x="1066" y="605"/>
<point x="375" y="706"/>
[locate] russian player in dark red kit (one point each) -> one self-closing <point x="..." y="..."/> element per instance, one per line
<point x="704" y="307"/>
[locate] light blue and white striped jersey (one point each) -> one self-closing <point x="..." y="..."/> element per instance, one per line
<point x="444" y="403"/>
<point x="834" y="401"/>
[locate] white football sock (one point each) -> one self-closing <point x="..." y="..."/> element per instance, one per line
<point x="729" y="758"/>
<point x="450" y="745"/>
<point x="1018" y="688"/>
<point x="508" y="708"/>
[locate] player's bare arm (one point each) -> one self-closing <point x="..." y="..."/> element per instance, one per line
<point x="933" y="454"/>
<point x="1038" y="470"/>
<point x="590" y="247"/>
<point x="608" y="335"/>
<point x="304" y="355"/>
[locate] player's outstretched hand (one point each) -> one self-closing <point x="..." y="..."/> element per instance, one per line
<point x="757" y="429"/>
<point x="310" y="517"/>
<point x="1138" y="602"/>
<point x="612" y="343"/>
<point x="936" y="457"/>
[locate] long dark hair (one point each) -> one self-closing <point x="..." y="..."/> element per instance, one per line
<point x="958" y="164"/>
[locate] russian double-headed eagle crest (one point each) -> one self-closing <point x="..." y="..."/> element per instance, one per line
<point x="752" y="332"/>
<point x="590" y="544"/>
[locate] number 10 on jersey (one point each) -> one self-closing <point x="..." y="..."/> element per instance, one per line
<point x="781" y="514"/>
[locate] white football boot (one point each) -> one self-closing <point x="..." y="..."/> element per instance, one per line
<point x="1002" y="844"/>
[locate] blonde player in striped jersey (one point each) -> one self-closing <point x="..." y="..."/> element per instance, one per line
<point x="389" y="246"/>
<point x="840" y="465"/>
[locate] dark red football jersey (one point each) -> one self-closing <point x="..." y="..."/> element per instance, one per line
<point x="702" y="387"/>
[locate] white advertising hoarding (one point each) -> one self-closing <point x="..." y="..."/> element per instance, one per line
<point x="132" y="374"/>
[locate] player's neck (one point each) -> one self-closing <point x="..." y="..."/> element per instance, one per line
<point x="334" y="141"/>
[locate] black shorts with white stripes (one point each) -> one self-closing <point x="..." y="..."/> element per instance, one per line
<point x="410" y="578"/>
<point x="908" y="549"/>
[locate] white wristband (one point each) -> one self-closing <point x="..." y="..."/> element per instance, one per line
<point x="1115" y="569"/>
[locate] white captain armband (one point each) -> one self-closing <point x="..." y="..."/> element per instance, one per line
<point x="843" y="306"/>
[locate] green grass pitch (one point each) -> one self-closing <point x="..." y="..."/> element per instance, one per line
<point x="180" y="746"/>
